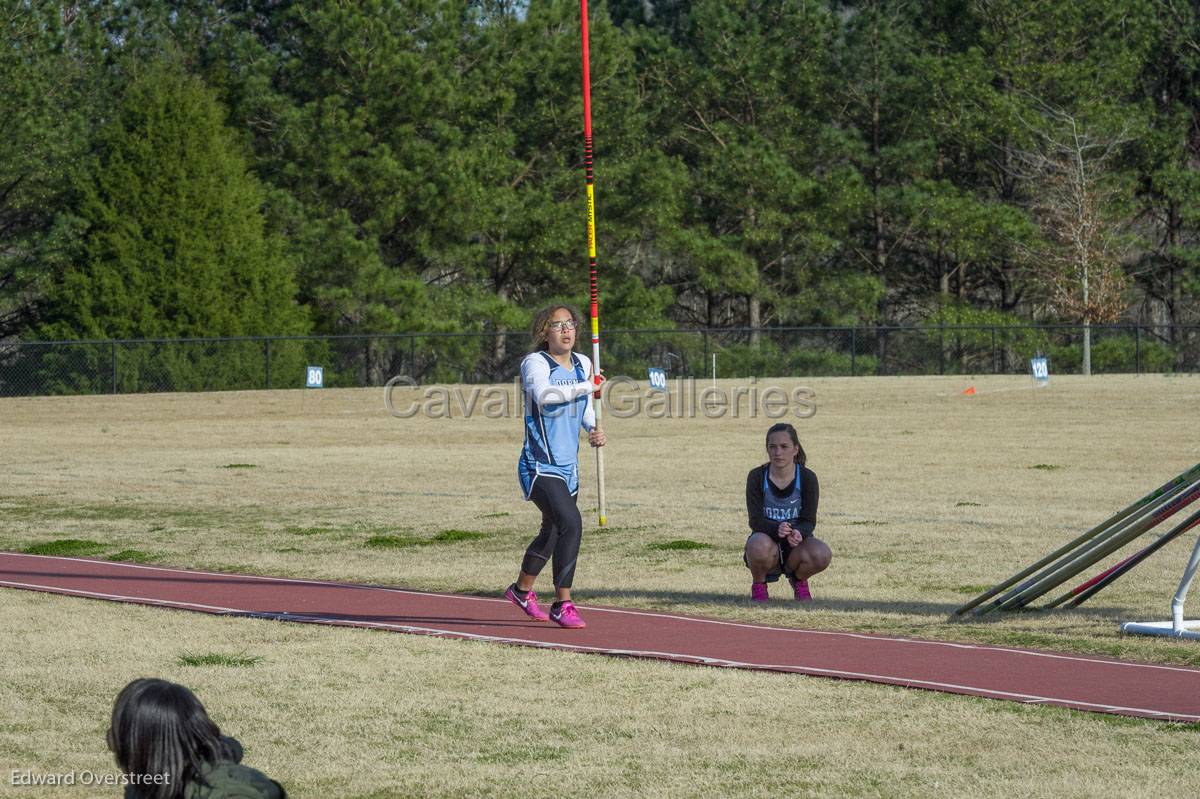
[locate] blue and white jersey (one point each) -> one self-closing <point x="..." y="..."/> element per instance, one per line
<point x="558" y="402"/>
<point x="782" y="509"/>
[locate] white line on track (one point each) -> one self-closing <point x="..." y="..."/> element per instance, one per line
<point x="642" y="613"/>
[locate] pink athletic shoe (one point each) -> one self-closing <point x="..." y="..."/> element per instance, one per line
<point x="800" y="587"/>
<point x="758" y="592"/>
<point x="567" y="616"/>
<point x="528" y="604"/>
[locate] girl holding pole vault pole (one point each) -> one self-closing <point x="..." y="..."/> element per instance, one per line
<point x="558" y="385"/>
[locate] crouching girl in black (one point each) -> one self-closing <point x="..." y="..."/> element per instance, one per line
<point x="781" y="500"/>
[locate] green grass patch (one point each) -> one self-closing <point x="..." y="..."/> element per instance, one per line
<point x="66" y="547"/>
<point x="217" y="659"/>
<point x="394" y="541"/>
<point x="451" y="536"/>
<point x="495" y="515"/>
<point x="968" y="504"/>
<point x="239" y="466"/>
<point x="1045" y="467"/>
<point x="681" y="544"/>
<point x="132" y="556"/>
<point x="403" y="541"/>
<point x="867" y="523"/>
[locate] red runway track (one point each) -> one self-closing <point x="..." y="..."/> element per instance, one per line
<point x="1073" y="681"/>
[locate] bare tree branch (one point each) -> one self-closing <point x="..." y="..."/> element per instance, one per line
<point x="1069" y="166"/>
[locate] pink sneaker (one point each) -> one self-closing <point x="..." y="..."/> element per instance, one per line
<point x="528" y="604"/>
<point x="567" y="616"/>
<point x="758" y="592"/>
<point x="800" y="587"/>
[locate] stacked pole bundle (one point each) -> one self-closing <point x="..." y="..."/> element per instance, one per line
<point x="1019" y="590"/>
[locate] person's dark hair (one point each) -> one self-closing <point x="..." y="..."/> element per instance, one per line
<point x="784" y="427"/>
<point x="540" y="329"/>
<point x="160" y="727"/>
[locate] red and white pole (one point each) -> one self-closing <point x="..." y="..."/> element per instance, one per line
<point x="591" y="243"/>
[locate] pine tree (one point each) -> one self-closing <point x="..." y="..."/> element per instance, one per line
<point x="44" y="110"/>
<point x="176" y="244"/>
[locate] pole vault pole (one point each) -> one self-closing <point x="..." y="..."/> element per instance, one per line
<point x="591" y="244"/>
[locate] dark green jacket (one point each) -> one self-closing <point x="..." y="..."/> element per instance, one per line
<point x="228" y="779"/>
<point x="234" y="781"/>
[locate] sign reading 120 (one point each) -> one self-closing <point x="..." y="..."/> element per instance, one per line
<point x="1040" y="369"/>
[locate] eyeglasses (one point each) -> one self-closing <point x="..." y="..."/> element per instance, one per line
<point x="564" y="326"/>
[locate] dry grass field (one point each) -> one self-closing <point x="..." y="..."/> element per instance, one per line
<point x="928" y="497"/>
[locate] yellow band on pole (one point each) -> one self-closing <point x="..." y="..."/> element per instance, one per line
<point x="591" y="221"/>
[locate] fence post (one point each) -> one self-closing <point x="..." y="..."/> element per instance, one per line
<point x="113" y="358"/>
<point x="412" y="356"/>
<point x="1137" y="348"/>
<point x="267" y="361"/>
<point x="995" y="365"/>
<point x="704" y="363"/>
<point x="853" y="349"/>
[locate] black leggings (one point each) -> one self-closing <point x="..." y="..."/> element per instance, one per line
<point x="562" y="529"/>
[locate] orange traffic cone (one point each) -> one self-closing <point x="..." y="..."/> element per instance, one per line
<point x="969" y="391"/>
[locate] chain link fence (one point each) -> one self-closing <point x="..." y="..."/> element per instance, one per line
<point x="225" y="364"/>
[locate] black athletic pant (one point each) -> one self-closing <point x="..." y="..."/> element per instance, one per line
<point x="562" y="529"/>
